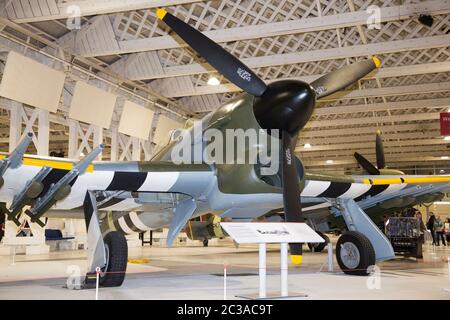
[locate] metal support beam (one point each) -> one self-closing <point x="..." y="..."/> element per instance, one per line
<point x="410" y="160"/>
<point x="386" y="72"/>
<point x="313" y="56"/>
<point x="274" y="29"/>
<point x="36" y="11"/>
<point x="83" y="140"/>
<point x="125" y="148"/>
<point x="30" y="117"/>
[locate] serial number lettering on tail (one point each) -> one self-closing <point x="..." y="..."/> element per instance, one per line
<point x="230" y="309"/>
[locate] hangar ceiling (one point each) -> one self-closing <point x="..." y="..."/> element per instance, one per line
<point x="123" y="42"/>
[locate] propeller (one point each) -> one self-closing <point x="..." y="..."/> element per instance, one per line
<point x="366" y="164"/>
<point x="224" y="62"/>
<point x="342" y="78"/>
<point x="291" y="191"/>
<point x="379" y="151"/>
<point x="283" y="105"/>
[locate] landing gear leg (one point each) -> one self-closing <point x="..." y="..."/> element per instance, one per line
<point x="364" y="243"/>
<point x="96" y="246"/>
<point x="110" y="253"/>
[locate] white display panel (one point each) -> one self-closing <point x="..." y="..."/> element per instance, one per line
<point x="164" y="128"/>
<point x="31" y="82"/>
<point x="271" y="232"/>
<point x="92" y="105"/>
<point x="136" y="120"/>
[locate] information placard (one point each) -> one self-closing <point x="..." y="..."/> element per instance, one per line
<point x="271" y="232"/>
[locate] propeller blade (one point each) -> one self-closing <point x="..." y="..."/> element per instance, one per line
<point x="366" y="164"/>
<point x="379" y="148"/>
<point x="291" y="192"/>
<point x="342" y="78"/>
<point x="224" y="62"/>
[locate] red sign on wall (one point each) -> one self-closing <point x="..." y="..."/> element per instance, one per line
<point x="445" y="124"/>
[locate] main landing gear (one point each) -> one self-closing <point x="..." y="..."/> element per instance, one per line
<point x="364" y="244"/>
<point x="116" y="252"/>
<point x="109" y="253"/>
<point x="355" y="253"/>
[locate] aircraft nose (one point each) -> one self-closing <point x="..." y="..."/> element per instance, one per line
<point x="286" y="105"/>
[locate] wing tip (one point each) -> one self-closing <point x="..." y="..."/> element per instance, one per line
<point x="161" y="13"/>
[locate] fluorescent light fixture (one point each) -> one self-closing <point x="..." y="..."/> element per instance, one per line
<point x="307" y="146"/>
<point x="447" y="138"/>
<point x="442" y="202"/>
<point x="330" y="161"/>
<point x="444" y="157"/>
<point x="441" y="171"/>
<point x="213" y="81"/>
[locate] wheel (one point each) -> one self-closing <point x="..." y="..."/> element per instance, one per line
<point x="355" y="253"/>
<point x="205" y="242"/>
<point x="318" y="247"/>
<point x="116" y="260"/>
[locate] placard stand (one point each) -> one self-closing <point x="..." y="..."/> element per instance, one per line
<point x="262" y="271"/>
<point x="263" y="233"/>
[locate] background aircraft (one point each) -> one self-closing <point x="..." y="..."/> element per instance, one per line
<point x="134" y="196"/>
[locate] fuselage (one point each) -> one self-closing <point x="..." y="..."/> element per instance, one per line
<point x="234" y="189"/>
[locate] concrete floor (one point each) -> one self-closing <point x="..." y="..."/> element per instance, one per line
<point x="196" y="273"/>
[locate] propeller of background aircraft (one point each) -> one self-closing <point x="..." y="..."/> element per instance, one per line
<point x="283" y="105"/>
<point x="379" y="152"/>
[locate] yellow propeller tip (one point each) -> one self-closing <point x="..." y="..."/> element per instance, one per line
<point x="161" y="13"/>
<point x="297" y="259"/>
<point x="378" y="132"/>
<point x="377" y="62"/>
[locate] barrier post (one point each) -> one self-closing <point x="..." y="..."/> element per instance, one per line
<point x="284" y="269"/>
<point x="330" y="257"/>
<point x="14" y="256"/>
<point x="262" y="270"/>
<point x="97" y="281"/>
<point x="224" y="282"/>
<point x="448" y="263"/>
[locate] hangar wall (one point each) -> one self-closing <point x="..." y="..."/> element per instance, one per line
<point x="70" y="135"/>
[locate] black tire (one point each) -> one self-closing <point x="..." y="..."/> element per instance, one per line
<point x="117" y="258"/>
<point x="318" y="247"/>
<point x="359" y="243"/>
<point x="205" y="242"/>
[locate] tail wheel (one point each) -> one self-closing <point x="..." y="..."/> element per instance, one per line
<point x="318" y="247"/>
<point x="355" y="253"/>
<point x="116" y="260"/>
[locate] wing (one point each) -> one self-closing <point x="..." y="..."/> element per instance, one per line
<point x="39" y="178"/>
<point x="374" y="190"/>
